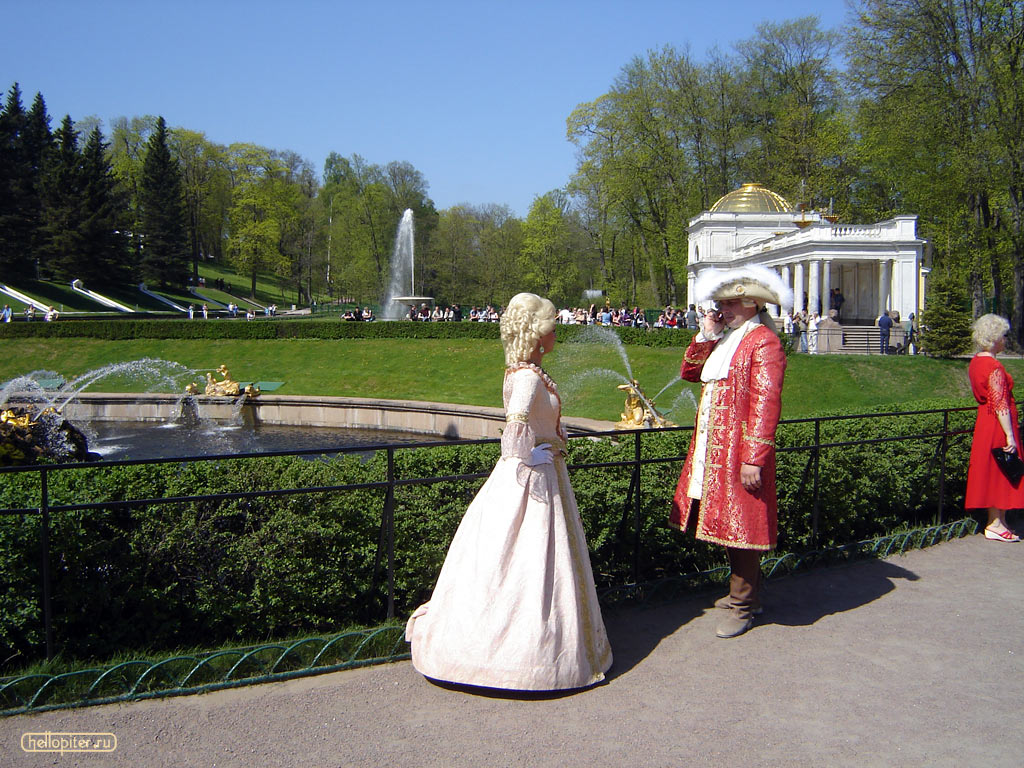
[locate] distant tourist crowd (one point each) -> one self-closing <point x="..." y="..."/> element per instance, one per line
<point x="622" y="316"/>
<point x="7" y="314"/>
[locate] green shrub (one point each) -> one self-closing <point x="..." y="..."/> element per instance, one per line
<point x="306" y="328"/>
<point x="868" y="490"/>
<point x="205" y="572"/>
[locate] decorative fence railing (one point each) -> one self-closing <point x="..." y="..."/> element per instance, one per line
<point x="820" y="461"/>
<point x="203" y="672"/>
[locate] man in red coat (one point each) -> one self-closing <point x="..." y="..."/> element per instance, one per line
<point x="726" y="491"/>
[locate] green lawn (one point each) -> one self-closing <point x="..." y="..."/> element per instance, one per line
<point x="470" y="371"/>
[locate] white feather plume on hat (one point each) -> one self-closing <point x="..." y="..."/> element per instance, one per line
<point x="747" y="282"/>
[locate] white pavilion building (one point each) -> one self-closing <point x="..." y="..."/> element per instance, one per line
<point x="877" y="267"/>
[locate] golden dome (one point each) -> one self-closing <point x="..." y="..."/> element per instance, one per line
<point x="752" y="198"/>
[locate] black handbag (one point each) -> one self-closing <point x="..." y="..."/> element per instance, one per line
<point x="1010" y="464"/>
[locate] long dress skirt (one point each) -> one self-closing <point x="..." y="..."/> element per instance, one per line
<point x="515" y="606"/>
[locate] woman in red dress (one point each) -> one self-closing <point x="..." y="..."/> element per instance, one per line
<point x="995" y="427"/>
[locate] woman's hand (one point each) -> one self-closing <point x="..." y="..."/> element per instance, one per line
<point x="1011" y="445"/>
<point x="540" y="455"/>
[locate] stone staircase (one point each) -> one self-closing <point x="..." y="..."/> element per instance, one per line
<point x="861" y="340"/>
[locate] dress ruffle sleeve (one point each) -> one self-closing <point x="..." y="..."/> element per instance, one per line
<point x="998" y="392"/>
<point x="518" y="438"/>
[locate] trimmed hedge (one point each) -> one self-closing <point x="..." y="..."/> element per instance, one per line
<point x="307" y="328"/>
<point x="203" y="573"/>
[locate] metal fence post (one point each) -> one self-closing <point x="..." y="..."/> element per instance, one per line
<point x="816" y="508"/>
<point x="636" y="508"/>
<point x="942" y="466"/>
<point x="44" y="512"/>
<point x="389" y="523"/>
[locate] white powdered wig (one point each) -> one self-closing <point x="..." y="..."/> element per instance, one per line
<point x="751" y="281"/>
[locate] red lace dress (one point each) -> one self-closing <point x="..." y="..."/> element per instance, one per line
<point x="987" y="486"/>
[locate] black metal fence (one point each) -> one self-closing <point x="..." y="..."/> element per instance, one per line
<point x="816" y="445"/>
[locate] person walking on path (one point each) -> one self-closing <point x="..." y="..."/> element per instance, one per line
<point x="726" y="491"/>
<point x="995" y="427"/>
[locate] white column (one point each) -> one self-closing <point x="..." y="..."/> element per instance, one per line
<point x="884" y="279"/>
<point x="774" y="309"/>
<point x="814" y="285"/>
<point x="826" y="287"/>
<point x="798" y="287"/>
<point x="787" y="279"/>
<point x="690" y="277"/>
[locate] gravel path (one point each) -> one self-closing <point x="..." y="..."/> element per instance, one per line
<point x="917" y="660"/>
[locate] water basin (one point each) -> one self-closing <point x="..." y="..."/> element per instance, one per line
<point x="118" y="440"/>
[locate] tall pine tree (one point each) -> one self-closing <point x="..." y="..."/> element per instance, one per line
<point x="164" y="224"/>
<point x="38" y="145"/>
<point x="25" y="142"/>
<point x="105" y="250"/>
<point x="14" y="233"/>
<point x="63" y="215"/>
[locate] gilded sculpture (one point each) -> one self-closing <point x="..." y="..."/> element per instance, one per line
<point x="225" y="387"/>
<point x="639" y="411"/>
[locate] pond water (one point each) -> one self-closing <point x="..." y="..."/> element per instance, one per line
<point x="141" y="440"/>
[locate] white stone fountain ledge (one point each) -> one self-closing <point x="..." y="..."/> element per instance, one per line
<point x="467" y="422"/>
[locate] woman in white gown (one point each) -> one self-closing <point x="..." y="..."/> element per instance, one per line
<point x="514" y="606"/>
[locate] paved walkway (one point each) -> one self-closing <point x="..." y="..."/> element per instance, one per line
<point x="913" y="661"/>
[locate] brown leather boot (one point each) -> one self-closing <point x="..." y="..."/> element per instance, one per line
<point x="725" y="601"/>
<point x="735" y="623"/>
<point x="743" y="592"/>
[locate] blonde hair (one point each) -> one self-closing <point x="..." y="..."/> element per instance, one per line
<point x="987" y="330"/>
<point x="527" y="318"/>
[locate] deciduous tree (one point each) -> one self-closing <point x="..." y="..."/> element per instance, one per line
<point x="943" y="79"/>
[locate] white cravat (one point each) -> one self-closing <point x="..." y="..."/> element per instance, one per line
<point x="716" y="368"/>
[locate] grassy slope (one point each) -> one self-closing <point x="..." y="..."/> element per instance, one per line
<point x="269" y="290"/>
<point x="470" y="371"/>
<point x="54" y="294"/>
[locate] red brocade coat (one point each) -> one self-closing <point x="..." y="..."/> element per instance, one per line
<point x="744" y="414"/>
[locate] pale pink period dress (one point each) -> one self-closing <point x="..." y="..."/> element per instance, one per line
<point x="515" y="605"/>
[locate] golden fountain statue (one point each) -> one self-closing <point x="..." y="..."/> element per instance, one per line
<point x="639" y="411"/>
<point x="226" y="387"/>
<point x="12" y="418"/>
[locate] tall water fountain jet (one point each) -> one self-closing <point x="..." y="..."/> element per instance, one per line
<point x="402" y="288"/>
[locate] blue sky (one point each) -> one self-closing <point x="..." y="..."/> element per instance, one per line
<point x="474" y="94"/>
